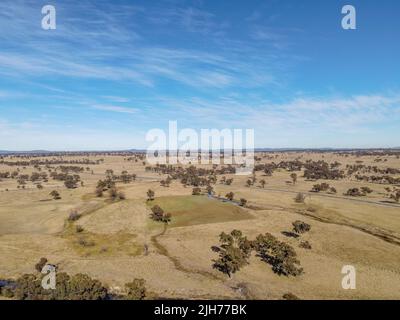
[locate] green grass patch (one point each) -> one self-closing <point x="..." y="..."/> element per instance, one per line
<point x="194" y="210"/>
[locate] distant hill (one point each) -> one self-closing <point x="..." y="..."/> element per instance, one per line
<point x="6" y="152"/>
<point x="24" y="152"/>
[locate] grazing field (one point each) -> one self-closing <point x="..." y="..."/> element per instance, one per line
<point x="104" y="223"/>
<point x="193" y="210"/>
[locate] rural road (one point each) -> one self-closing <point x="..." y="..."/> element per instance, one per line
<point x="392" y="205"/>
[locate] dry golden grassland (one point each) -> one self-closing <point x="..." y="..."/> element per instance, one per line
<point x="115" y="241"/>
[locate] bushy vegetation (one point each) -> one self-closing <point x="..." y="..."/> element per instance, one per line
<point x="300" y="198"/>
<point x="305" y="245"/>
<point x="366" y="190"/>
<point x="71" y="181"/>
<point x="76" y="287"/>
<point x="280" y="255"/>
<point x="320" y="187"/>
<point x="230" y="196"/>
<point x="136" y="290"/>
<point x="355" y="192"/>
<point x="315" y="170"/>
<point x="395" y="195"/>
<point x="55" y="194"/>
<point x="196" y="191"/>
<point x="301" y="227"/>
<point x="234" y="252"/>
<point x="290" y="296"/>
<point x="74" y="216"/>
<point x="193" y="176"/>
<point x="210" y="190"/>
<point x="293" y="176"/>
<point x="39" y="266"/>
<point x="150" y="195"/>
<point x="158" y="214"/>
<point x="104" y="185"/>
<point x="114" y="194"/>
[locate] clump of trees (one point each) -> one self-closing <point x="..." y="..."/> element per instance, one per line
<point x="76" y="287"/>
<point x="226" y="181"/>
<point x="320" y="187"/>
<point x="125" y="177"/>
<point x="116" y="195"/>
<point x="158" y="214"/>
<point x="71" y="181"/>
<point x="235" y="249"/>
<point x="299" y="228"/>
<point x="280" y="255"/>
<point x="104" y="185"/>
<point x="315" y="170"/>
<point x="166" y="182"/>
<point x="366" y="190"/>
<point x="355" y="192"/>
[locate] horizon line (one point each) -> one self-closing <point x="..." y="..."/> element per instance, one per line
<point x="261" y="149"/>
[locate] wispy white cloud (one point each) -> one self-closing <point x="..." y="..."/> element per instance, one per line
<point x="335" y="113"/>
<point x="116" y="99"/>
<point x="108" y="46"/>
<point x="174" y="61"/>
<point x="118" y="109"/>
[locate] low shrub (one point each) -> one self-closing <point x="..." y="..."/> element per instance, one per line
<point x="74" y="216"/>
<point x="39" y="266"/>
<point x="305" y="245"/>
<point x="301" y="227"/>
<point x="86" y="243"/>
<point x="136" y="290"/>
<point x="300" y="198"/>
<point x="290" y="296"/>
<point x="196" y="191"/>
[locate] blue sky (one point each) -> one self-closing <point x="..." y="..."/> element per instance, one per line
<point x="112" y="70"/>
